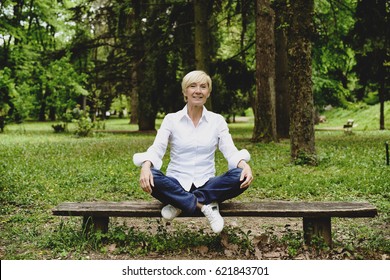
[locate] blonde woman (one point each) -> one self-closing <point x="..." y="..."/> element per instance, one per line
<point x="194" y="134"/>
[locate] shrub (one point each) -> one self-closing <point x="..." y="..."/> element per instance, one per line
<point x="84" y="124"/>
<point x="59" y="127"/>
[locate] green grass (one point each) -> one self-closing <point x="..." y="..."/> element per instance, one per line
<point x="365" y="117"/>
<point x="39" y="169"/>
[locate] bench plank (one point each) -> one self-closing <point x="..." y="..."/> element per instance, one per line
<point x="316" y="215"/>
<point x="254" y="209"/>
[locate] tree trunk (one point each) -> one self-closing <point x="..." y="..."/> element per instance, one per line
<point x="134" y="98"/>
<point x="264" y="103"/>
<point x="281" y="71"/>
<point x="300" y="84"/>
<point x="201" y="35"/>
<point x="43" y="103"/>
<point x="52" y="113"/>
<point x="202" y="45"/>
<point x="146" y="110"/>
<point x="382" y="105"/>
<point x="381" y="57"/>
<point x="147" y="100"/>
<point x="130" y="27"/>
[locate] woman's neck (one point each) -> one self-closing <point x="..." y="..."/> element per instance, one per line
<point x="195" y="113"/>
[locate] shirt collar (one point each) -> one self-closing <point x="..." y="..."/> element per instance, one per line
<point x="205" y="113"/>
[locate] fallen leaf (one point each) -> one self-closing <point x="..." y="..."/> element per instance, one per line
<point x="228" y="253"/>
<point x="261" y="239"/>
<point x="272" y="255"/>
<point x="224" y="239"/>
<point x="111" y="248"/>
<point x="258" y="253"/>
<point x="203" y="250"/>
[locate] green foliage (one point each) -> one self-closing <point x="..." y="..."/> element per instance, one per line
<point x="40" y="169"/>
<point x="84" y="126"/>
<point x="135" y="242"/>
<point x="304" y="158"/>
<point x="64" y="85"/>
<point x="54" y="53"/>
<point x="38" y="82"/>
<point x="9" y="96"/>
<point x="369" y="38"/>
<point x="84" y="123"/>
<point x="293" y="240"/>
<point x="159" y="238"/>
<point x="232" y="84"/>
<point x="333" y="79"/>
<point x="365" y="117"/>
<point x="59" y="127"/>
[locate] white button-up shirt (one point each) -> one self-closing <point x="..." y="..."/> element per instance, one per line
<point x="192" y="149"/>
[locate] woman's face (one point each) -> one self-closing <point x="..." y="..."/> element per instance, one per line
<point x="197" y="93"/>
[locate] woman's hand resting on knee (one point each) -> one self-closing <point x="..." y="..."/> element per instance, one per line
<point x="246" y="174"/>
<point x="146" y="177"/>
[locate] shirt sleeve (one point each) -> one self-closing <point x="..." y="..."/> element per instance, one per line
<point x="227" y="147"/>
<point x="155" y="153"/>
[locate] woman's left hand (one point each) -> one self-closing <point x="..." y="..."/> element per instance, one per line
<point x="246" y="174"/>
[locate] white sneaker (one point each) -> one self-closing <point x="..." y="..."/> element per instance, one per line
<point x="170" y="212"/>
<point x="211" y="212"/>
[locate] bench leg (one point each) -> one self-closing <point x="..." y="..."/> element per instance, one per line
<point x="320" y="227"/>
<point x="348" y="130"/>
<point x="95" y="224"/>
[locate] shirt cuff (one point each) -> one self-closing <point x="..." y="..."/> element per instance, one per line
<point x="239" y="155"/>
<point x="140" y="158"/>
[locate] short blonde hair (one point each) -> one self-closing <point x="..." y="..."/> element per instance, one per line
<point x="196" y="76"/>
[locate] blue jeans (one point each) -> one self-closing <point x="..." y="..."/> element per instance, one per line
<point x="169" y="191"/>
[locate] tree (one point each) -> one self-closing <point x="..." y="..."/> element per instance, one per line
<point x="232" y="83"/>
<point x="300" y="73"/>
<point x="129" y="54"/>
<point x="201" y="16"/>
<point x="142" y="49"/>
<point x="202" y="42"/>
<point x="334" y="80"/>
<point x="145" y="33"/>
<point x="264" y="103"/>
<point x="29" y="34"/>
<point x="370" y="39"/>
<point x="281" y="70"/>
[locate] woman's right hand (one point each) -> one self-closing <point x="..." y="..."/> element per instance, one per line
<point x="146" y="177"/>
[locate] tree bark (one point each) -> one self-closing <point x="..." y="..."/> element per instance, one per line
<point x="281" y="71"/>
<point x="134" y="98"/>
<point x="300" y="84"/>
<point x="202" y="44"/>
<point x="201" y="35"/>
<point x="382" y="105"/>
<point x="264" y="104"/>
<point x="146" y="103"/>
<point x="130" y="27"/>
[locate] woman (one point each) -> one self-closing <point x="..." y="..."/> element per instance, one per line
<point x="194" y="134"/>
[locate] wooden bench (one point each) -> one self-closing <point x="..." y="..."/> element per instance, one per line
<point x="348" y="127"/>
<point x="316" y="215"/>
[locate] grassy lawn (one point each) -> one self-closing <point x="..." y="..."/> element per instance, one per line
<point x="39" y="169"/>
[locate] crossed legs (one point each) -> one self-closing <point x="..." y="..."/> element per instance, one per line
<point x="218" y="189"/>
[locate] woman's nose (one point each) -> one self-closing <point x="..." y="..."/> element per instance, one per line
<point x="197" y="90"/>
